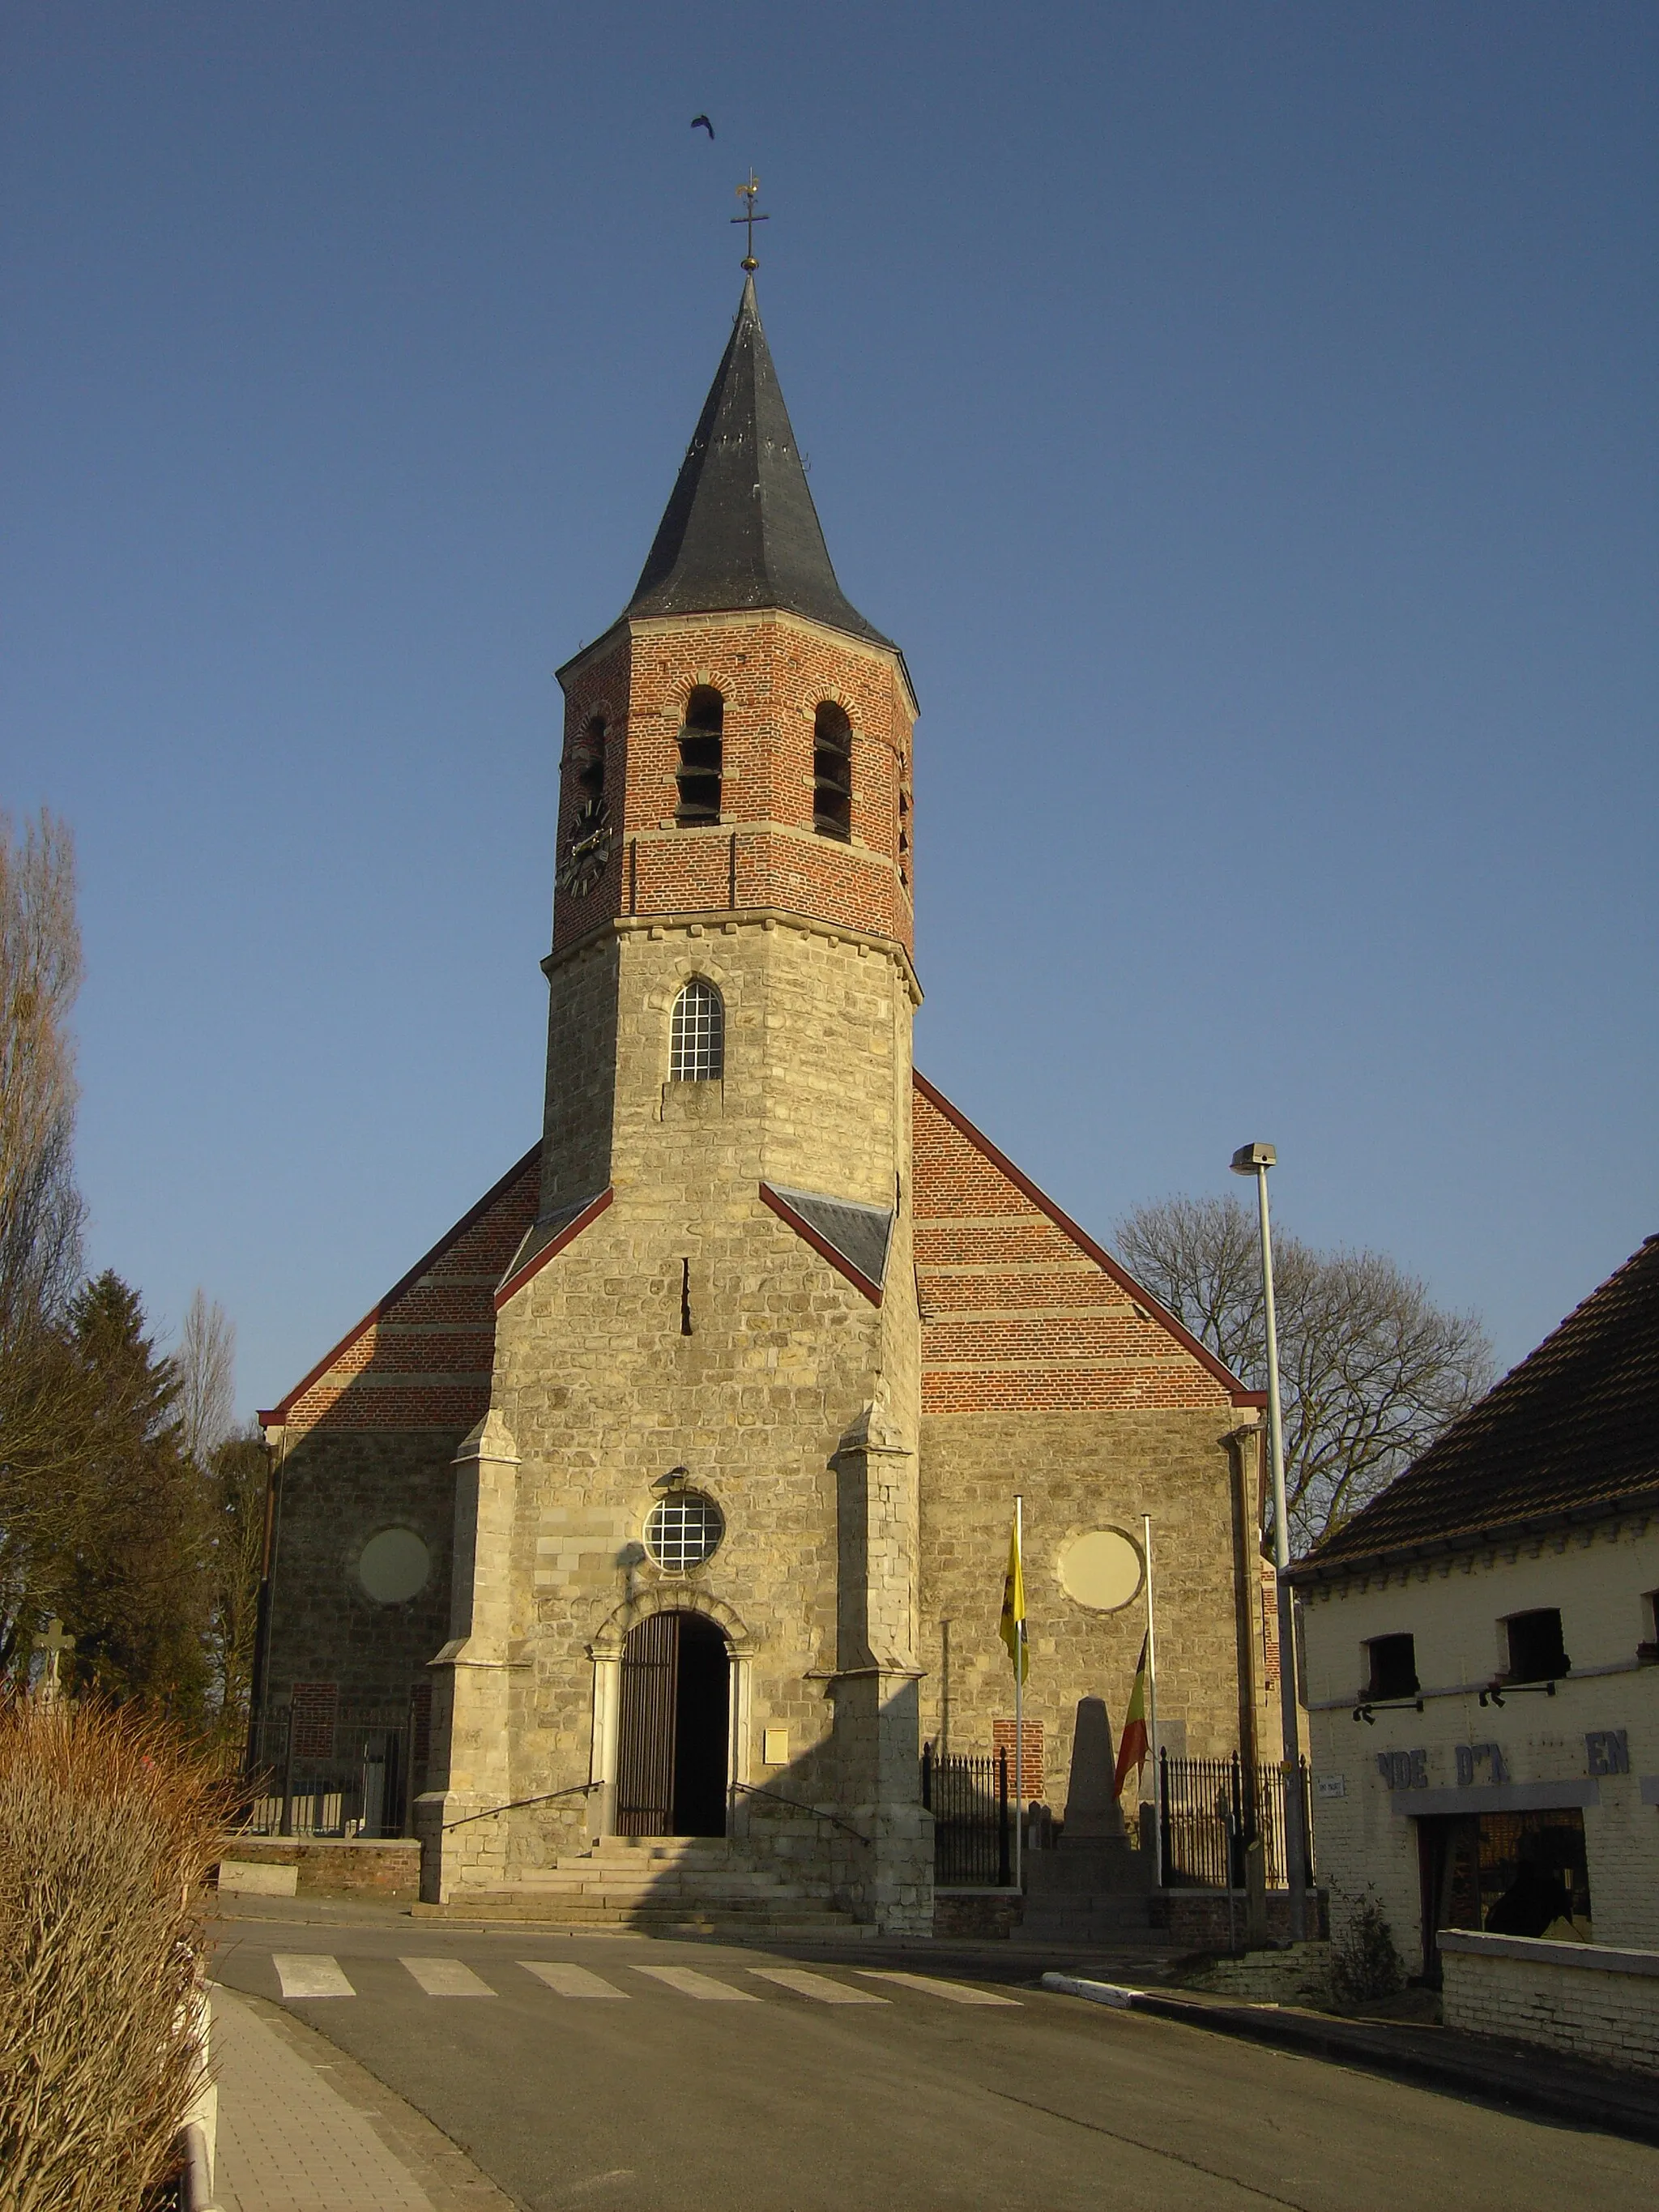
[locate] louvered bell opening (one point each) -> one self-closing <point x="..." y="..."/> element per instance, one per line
<point x="832" y="771"/>
<point x="698" y="776"/>
<point x="832" y="796"/>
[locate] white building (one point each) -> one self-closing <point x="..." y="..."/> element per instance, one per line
<point x="1482" y="1678"/>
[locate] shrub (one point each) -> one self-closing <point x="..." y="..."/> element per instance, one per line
<point x="107" y="1827"/>
<point x="1364" y="1965"/>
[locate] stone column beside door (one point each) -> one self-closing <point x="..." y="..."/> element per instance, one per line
<point x="888" y="1880"/>
<point x="471" y="1770"/>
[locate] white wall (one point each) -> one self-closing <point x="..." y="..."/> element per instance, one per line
<point x="1366" y="1836"/>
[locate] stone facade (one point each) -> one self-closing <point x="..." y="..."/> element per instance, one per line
<point x="364" y="1444"/>
<point x="653" y="1306"/>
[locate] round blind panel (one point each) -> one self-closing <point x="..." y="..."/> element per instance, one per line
<point x="685" y="1530"/>
<point x="1101" y="1570"/>
<point x="394" y="1566"/>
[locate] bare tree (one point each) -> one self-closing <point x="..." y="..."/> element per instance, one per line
<point x="1372" y="1369"/>
<point x="234" y="1558"/>
<point x="206" y="1365"/>
<point x="41" y="1209"/>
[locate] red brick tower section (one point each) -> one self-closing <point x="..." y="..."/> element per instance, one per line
<point x="770" y="847"/>
<point x="738" y="742"/>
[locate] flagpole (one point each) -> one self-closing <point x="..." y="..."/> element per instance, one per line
<point x="1020" y="1703"/>
<point x="1151" y="1706"/>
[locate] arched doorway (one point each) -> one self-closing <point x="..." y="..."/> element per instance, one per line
<point x="672" y="1730"/>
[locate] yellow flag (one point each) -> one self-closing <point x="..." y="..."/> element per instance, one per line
<point x="1012" y="1626"/>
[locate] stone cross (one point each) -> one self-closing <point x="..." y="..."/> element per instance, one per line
<point x="54" y="1643"/>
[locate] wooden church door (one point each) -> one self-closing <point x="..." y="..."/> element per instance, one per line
<point x="673" y="1727"/>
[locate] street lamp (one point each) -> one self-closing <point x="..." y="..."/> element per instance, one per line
<point x="1247" y="1160"/>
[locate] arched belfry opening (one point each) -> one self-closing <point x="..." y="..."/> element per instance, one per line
<point x="832" y="771"/>
<point x="701" y="743"/>
<point x="673" y="1728"/>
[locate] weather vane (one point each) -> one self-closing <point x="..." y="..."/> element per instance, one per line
<point x="747" y="192"/>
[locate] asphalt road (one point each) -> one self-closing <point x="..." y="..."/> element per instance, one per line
<point x="770" y="2098"/>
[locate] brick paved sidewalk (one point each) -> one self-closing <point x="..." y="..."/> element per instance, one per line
<point x="288" y="2140"/>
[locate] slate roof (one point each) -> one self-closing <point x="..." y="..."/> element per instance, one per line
<point x="740" y="529"/>
<point x="1570" y="1433"/>
<point x="860" y="1233"/>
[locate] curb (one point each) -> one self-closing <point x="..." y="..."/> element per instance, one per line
<point x="1107" y="1993"/>
<point x="1543" y="2086"/>
<point x="195" y="2192"/>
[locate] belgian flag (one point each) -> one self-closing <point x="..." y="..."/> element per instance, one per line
<point x="1012" y="1626"/>
<point x="1131" y="1744"/>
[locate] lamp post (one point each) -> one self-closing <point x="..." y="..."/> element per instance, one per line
<point x="1256" y="1160"/>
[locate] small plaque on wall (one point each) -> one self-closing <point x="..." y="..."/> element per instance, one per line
<point x="1331" y="1785"/>
<point x="775" y="1747"/>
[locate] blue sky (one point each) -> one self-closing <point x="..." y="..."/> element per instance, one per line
<point x="1242" y="414"/>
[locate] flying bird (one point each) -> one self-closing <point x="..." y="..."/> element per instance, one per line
<point x="702" y="122"/>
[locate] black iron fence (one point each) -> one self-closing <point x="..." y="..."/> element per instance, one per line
<point x="316" y="1769"/>
<point x="973" y="1820"/>
<point x="1211" y="1810"/>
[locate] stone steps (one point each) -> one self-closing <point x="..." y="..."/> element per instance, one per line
<point x="581" y="1876"/>
<point x="666" y="1899"/>
<point x="725" y="1897"/>
<point x="794" y="1923"/>
<point x="661" y="1884"/>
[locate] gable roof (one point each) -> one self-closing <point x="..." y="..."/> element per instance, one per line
<point x="1572" y="1432"/>
<point x="1021" y="1311"/>
<point x="740" y="529"/>
<point x="421" y="1356"/>
<point x="1021" y="1308"/>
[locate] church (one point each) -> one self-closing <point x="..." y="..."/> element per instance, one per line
<point x="668" y="1496"/>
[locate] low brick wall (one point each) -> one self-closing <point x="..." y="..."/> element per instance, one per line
<point x="1585" y="1998"/>
<point x="1300" y="1973"/>
<point x="334" y="1866"/>
<point x="992" y="1913"/>
<point x="1198" y="1919"/>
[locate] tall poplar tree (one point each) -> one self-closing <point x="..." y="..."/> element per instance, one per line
<point x="47" y="1395"/>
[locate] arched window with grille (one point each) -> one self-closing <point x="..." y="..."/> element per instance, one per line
<point x="832" y="771"/>
<point x="698" y="775"/>
<point x="696" y="1042"/>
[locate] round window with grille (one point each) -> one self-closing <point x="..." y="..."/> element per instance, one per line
<point x="683" y="1530"/>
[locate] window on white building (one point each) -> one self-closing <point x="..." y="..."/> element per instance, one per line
<point x="1536" y="1651"/>
<point x="1391" y="1667"/>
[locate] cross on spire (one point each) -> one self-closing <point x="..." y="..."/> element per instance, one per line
<point x="747" y="192"/>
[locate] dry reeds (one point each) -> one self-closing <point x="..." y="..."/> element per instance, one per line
<point x="107" y="1827"/>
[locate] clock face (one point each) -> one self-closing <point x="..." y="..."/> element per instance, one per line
<point x="588" y="853"/>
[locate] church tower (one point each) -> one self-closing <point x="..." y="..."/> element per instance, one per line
<point x="684" y="1583"/>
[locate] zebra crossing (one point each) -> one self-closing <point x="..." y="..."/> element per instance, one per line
<point x="307" y="1975"/>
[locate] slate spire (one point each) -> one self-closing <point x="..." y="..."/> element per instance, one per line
<point x="740" y="529"/>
